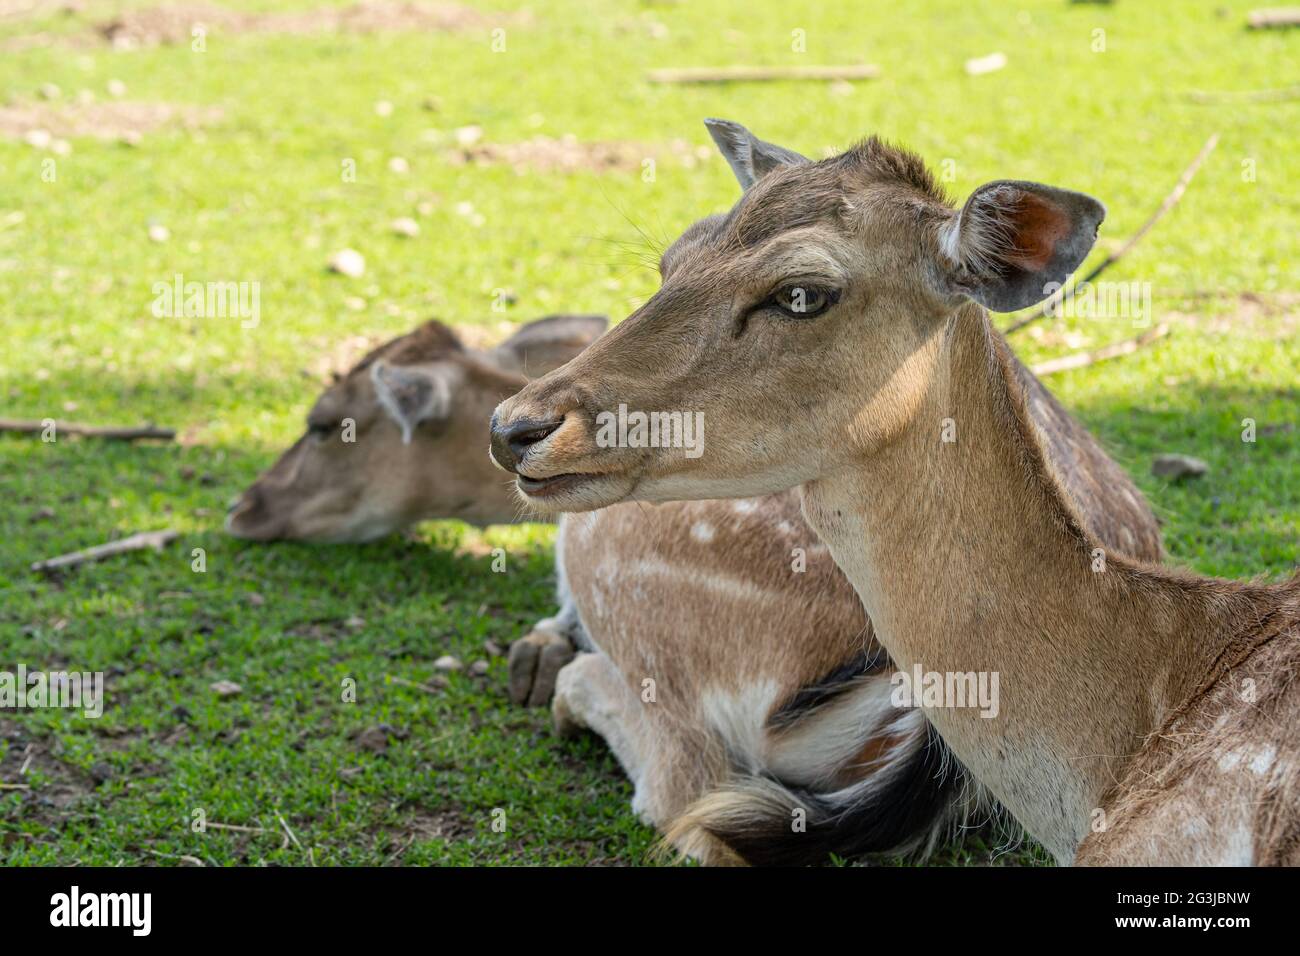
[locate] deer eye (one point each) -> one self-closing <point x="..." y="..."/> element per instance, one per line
<point x="803" y="301"/>
<point x="321" y="430"/>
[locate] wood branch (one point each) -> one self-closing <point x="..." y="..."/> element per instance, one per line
<point x="135" y="542"/>
<point x="753" y="74"/>
<point x="1114" y="350"/>
<point x="15" y="786"/>
<point x="1170" y="201"/>
<point x="1274" y="18"/>
<point x="236" y="827"/>
<point x="1245" y="96"/>
<point x="113" y="432"/>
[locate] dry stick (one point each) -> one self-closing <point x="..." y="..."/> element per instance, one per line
<point x="15" y="786"/>
<point x="1114" y="350"/>
<point x="237" y="827"/>
<point x="750" y="74"/>
<point x="1170" y="202"/>
<point x="1272" y="18"/>
<point x="1244" y="96"/>
<point x="410" y="683"/>
<point x="136" y="542"/>
<point x="119" y="433"/>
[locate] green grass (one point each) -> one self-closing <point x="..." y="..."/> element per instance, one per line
<point x="257" y="195"/>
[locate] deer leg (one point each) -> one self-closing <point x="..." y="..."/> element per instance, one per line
<point x="667" y="771"/>
<point x="536" y="658"/>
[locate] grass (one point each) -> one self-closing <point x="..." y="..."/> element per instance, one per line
<point x="257" y="194"/>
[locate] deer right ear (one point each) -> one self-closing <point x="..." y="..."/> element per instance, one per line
<point x="546" y="344"/>
<point x="412" y="394"/>
<point x="1014" y="243"/>
<point x="749" y="157"/>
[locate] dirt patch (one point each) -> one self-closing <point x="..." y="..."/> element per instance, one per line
<point x="171" y="25"/>
<point x="567" y="154"/>
<point x="109" y="120"/>
<point x="62" y="788"/>
<point x="17" y="9"/>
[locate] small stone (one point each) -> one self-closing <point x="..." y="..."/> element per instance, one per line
<point x="399" y="165"/>
<point x="986" y="64"/>
<point x="468" y="135"/>
<point x="383" y="108"/>
<point x="116" y="88"/>
<point x="39" y="138"/>
<point x="447" y="663"/>
<point x="60" y="147"/>
<point x="479" y="668"/>
<point x="355" y="623"/>
<point x="226" y="688"/>
<point x="43" y="514"/>
<point x="50" y="91"/>
<point x="159" y="233"/>
<point x="256" y="599"/>
<point x="405" y="227"/>
<point x="1175" y="467"/>
<point x="348" y="262"/>
<point x="374" y="739"/>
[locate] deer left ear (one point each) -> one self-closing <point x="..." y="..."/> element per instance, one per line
<point x="749" y="157"/>
<point x="1014" y="243"/>
<point x="412" y="394"/>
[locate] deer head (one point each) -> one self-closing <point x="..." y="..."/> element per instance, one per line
<point x="401" y="438"/>
<point x="800" y="328"/>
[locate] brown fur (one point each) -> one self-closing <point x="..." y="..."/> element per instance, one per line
<point x="970" y="555"/>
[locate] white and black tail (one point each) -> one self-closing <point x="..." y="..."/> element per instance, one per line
<point x="905" y="797"/>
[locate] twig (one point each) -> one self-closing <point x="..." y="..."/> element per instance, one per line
<point x="236" y="827"/>
<point x="119" y="433"/>
<point x="1245" y="96"/>
<point x="15" y="786"/>
<point x="1274" y="18"/>
<point x="193" y="860"/>
<point x="290" y="836"/>
<point x="27" y="761"/>
<point x="399" y="851"/>
<point x="1048" y="307"/>
<point x="1114" y="350"/>
<point x="410" y="683"/>
<point x="752" y="74"/>
<point x="135" y="542"/>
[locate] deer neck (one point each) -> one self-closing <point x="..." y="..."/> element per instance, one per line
<point x="969" y="559"/>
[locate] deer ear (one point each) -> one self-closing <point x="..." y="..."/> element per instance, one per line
<point x="412" y="394"/>
<point x="1013" y="242"/>
<point x="748" y="156"/>
<point x="546" y="344"/>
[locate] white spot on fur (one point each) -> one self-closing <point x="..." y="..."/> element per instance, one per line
<point x="702" y="531"/>
<point x="745" y="505"/>
<point x="1258" y="760"/>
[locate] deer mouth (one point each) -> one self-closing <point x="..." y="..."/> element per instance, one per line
<point x="573" y="491"/>
<point x="552" y="484"/>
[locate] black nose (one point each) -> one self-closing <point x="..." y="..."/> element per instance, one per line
<point x="511" y="442"/>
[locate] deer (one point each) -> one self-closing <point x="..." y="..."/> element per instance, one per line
<point x="833" y="330"/>
<point x="828" y="739"/>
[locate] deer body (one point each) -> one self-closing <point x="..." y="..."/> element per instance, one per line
<point x="830" y="331"/>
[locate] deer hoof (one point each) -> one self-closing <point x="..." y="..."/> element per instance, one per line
<point x="535" y="660"/>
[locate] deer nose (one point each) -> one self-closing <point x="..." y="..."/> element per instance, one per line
<point x="511" y="442"/>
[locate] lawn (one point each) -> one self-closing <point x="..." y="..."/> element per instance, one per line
<point x="248" y="178"/>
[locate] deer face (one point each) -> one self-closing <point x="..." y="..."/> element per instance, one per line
<point x="401" y="438"/>
<point x="801" y="329"/>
